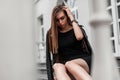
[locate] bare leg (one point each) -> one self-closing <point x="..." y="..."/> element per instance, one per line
<point x="60" y="72"/>
<point x="82" y="63"/>
<point x="77" y="71"/>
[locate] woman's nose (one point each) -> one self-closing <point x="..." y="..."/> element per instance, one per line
<point x="60" y="21"/>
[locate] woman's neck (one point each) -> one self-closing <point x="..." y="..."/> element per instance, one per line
<point x="66" y="28"/>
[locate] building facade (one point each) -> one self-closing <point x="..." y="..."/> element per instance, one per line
<point x="42" y="11"/>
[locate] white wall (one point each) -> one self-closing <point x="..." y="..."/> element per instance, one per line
<point x="84" y="15"/>
<point x="16" y="40"/>
<point x="45" y="7"/>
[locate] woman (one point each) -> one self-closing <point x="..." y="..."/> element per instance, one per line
<point x="64" y="41"/>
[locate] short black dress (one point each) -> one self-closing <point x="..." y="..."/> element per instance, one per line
<point x="70" y="48"/>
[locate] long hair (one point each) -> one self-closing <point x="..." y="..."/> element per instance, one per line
<point x="53" y="31"/>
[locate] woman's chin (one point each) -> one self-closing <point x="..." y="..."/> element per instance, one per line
<point x="61" y="26"/>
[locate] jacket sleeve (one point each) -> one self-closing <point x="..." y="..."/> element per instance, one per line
<point x="48" y="61"/>
<point x="86" y="40"/>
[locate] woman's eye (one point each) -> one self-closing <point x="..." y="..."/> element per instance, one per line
<point x="62" y="18"/>
<point x="57" y="20"/>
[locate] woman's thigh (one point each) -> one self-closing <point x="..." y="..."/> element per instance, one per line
<point x="74" y="67"/>
<point x="82" y="63"/>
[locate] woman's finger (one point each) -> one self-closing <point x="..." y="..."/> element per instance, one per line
<point x="65" y="8"/>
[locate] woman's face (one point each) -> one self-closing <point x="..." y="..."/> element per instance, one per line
<point x="61" y="19"/>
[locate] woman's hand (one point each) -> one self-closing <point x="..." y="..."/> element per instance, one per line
<point x="69" y="13"/>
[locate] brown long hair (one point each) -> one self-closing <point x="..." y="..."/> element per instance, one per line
<point x="53" y="31"/>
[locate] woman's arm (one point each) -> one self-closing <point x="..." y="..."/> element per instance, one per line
<point x="76" y="28"/>
<point x="77" y="31"/>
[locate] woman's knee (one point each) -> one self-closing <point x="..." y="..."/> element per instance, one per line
<point x="69" y="64"/>
<point x="58" y="66"/>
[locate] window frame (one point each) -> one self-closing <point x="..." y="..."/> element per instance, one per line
<point x="116" y="30"/>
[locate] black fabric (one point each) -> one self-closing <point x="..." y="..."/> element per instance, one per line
<point x="70" y="48"/>
<point x="78" y="53"/>
<point x="48" y="61"/>
<point x="88" y="46"/>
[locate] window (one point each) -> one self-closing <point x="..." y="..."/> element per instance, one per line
<point x="109" y="3"/>
<point x="113" y="47"/>
<point x="119" y="26"/>
<point x="118" y="17"/>
<point x="119" y="11"/>
<point x="109" y="9"/>
<point x="113" y="7"/>
<point x="41" y="20"/>
<point x="112" y="32"/>
<point x="71" y="5"/>
<point x="42" y="34"/>
<point x="40" y="39"/>
<point x="41" y="29"/>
